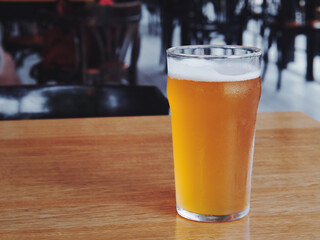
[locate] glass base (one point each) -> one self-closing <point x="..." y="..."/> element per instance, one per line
<point x="212" y="218"/>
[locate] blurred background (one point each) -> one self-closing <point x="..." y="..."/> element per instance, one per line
<point x="96" y="44"/>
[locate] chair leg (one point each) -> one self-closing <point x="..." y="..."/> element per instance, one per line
<point x="266" y="60"/>
<point x="281" y="65"/>
<point x="311" y="46"/>
<point x="264" y="70"/>
<point x="83" y="55"/>
<point x="132" y="71"/>
<point x="267" y="46"/>
<point x="167" y="28"/>
<point x="279" y="78"/>
<point x="283" y="52"/>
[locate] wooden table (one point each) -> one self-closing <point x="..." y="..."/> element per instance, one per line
<point x="112" y="178"/>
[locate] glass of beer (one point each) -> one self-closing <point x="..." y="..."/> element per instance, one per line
<point x="213" y="92"/>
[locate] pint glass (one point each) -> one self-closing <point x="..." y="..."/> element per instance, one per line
<point x="213" y="93"/>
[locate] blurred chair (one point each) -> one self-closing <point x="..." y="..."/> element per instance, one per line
<point x="74" y="39"/>
<point x="232" y="20"/>
<point x="60" y="56"/>
<point x="26" y="43"/>
<point x="75" y="101"/>
<point x="153" y="16"/>
<point x="291" y="20"/>
<point x="312" y="11"/>
<point x="38" y="28"/>
<point x="229" y="21"/>
<point x="21" y="27"/>
<point x="110" y="41"/>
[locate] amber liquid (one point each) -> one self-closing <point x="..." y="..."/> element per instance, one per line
<point x="213" y="126"/>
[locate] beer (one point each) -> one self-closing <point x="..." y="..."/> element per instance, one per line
<point x="213" y="115"/>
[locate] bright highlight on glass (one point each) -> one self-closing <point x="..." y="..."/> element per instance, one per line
<point x="213" y="93"/>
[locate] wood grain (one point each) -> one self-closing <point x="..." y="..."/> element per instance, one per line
<point x="112" y="178"/>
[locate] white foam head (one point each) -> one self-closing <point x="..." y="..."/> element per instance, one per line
<point x="212" y="71"/>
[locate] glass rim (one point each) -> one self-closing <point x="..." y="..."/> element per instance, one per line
<point x="255" y="52"/>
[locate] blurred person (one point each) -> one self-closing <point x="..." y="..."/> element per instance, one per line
<point x="8" y="73"/>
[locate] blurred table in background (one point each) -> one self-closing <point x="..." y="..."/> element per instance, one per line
<point x="75" y="101"/>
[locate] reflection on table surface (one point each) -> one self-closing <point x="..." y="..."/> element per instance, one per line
<point x="238" y="230"/>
